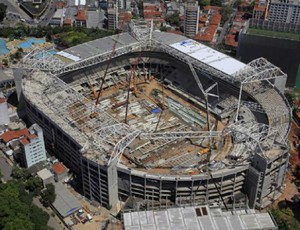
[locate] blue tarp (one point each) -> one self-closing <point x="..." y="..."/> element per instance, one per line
<point x="156" y="110"/>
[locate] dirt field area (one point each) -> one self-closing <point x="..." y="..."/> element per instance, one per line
<point x="291" y="189"/>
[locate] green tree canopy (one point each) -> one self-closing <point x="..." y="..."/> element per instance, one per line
<point x="17" y="211"/>
<point x="48" y="196"/>
<point x="20" y="173"/>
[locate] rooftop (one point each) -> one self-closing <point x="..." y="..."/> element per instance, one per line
<point x="65" y="202"/>
<point x="11" y="135"/>
<point x="44" y="174"/>
<point x="198" y="218"/>
<point x="58" y="168"/>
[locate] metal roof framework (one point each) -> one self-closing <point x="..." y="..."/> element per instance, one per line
<point x="254" y="135"/>
<point x="111" y="130"/>
<point x="258" y="70"/>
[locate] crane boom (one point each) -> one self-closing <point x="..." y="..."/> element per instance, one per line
<point x="107" y="67"/>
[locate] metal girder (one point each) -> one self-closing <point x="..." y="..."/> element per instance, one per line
<point x="41" y="60"/>
<point x="121" y="145"/>
<point x="258" y="70"/>
<point x="179" y="135"/>
<point x="113" y="132"/>
<point x="254" y="135"/>
<point x="99" y="58"/>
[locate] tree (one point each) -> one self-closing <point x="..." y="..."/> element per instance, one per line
<point x="34" y="184"/>
<point x="226" y="12"/>
<point x="203" y="3"/>
<point x="19" y="173"/>
<point x="3" y="8"/>
<point x="5" y="62"/>
<point x="39" y="218"/>
<point x="174" y="19"/>
<point x="48" y="196"/>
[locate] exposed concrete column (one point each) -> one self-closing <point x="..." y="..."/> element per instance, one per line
<point x="112" y="181"/>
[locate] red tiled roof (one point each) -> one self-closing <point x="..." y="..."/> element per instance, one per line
<point x="208" y="34"/>
<point x="58" y="168"/>
<point x="68" y="21"/>
<point x="10" y="135"/>
<point x="24" y="141"/>
<point x="80" y="15"/>
<point x="60" y="5"/>
<point x="216" y="19"/>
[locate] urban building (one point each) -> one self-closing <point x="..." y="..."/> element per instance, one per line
<point x="4" y="117"/>
<point x="120" y="147"/>
<point x="33" y="147"/>
<point x="199" y="218"/>
<point x="112" y="18"/>
<point x="60" y="171"/>
<point x="191" y="18"/>
<point x="46" y="176"/>
<point x="209" y="22"/>
<point x="286" y="11"/>
<point x="260" y="10"/>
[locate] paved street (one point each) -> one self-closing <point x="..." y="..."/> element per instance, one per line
<point x="5" y="168"/>
<point x="13" y="7"/>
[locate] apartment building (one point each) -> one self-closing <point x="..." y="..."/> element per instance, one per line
<point x="191" y="18"/>
<point x="286" y="11"/>
<point x="33" y="147"/>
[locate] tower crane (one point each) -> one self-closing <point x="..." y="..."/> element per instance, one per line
<point x="107" y="67"/>
<point x="205" y="94"/>
<point x="132" y="75"/>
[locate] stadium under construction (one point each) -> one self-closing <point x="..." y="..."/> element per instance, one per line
<point x="163" y="119"/>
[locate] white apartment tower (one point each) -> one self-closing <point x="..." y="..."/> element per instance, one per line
<point x="33" y="147"/>
<point x="4" y="117"/>
<point x="286" y="11"/>
<point x="191" y="18"/>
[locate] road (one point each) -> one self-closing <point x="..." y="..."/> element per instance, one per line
<point x="225" y="28"/>
<point x="46" y="17"/>
<point x="53" y="222"/>
<point x="14" y="9"/>
<point x="14" y="13"/>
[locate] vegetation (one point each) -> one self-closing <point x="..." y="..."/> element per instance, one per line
<point x="20" y="173"/>
<point x="275" y="34"/>
<point x="48" y="196"/>
<point x="174" y="19"/>
<point x="2" y="11"/>
<point x="285" y="219"/>
<point x="17" y="211"/>
<point x="226" y="13"/>
<point x="203" y="3"/>
<point x="63" y="36"/>
<point x="216" y="2"/>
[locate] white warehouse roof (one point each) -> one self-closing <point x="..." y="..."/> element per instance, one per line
<point x="198" y="218"/>
<point x="209" y="56"/>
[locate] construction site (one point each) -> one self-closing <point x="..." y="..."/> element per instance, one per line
<point x="162" y="119"/>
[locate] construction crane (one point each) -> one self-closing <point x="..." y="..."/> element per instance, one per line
<point x="107" y="67"/>
<point x="205" y="94"/>
<point x="91" y="86"/>
<point x="132" y="75"/>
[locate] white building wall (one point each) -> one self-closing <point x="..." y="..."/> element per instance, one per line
<point x="4" y="118"/>
<point x="35" y="151"/>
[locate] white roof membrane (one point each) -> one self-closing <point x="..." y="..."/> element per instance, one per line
<point x="209" y="56"/>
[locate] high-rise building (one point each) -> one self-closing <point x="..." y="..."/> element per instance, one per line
<point x="287" y="11"/>
<point x="112" y="18"/>
<point x="33" y="147"/>
<point x="191" y="18"/>
<point x="4" y="118"/>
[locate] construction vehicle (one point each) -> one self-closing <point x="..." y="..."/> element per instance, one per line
<point x="203" y="151"/>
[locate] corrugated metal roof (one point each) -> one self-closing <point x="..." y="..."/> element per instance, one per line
<point x="198" y="218"/>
